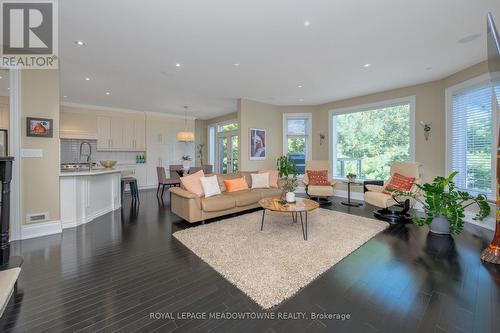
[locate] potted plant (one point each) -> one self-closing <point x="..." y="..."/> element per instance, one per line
<point x="351" y="177"/>
<point x="199" y="150"/>
<point x="185" y="161"/>
<point x="287" y="171"/>
<point x="444" y="205"/>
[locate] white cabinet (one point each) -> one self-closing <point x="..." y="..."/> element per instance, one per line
<point x="121" y="133"/>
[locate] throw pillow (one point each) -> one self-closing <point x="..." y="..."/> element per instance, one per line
<point x="238" y="184"/>
<point x="210" y="186"/>
<point x="273" y="177"/>
<point x="318" y="177"/>
<point x="260" y="180"/>
<point x="399" y="182"/>
<point x="192" y="183"/>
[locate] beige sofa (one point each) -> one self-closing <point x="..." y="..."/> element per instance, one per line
<point x="193" y="209"/>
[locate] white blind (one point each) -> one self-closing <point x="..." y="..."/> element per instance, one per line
<point x="471" y="139"/>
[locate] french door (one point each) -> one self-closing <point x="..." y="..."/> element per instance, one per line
<point x="228" y="154"/>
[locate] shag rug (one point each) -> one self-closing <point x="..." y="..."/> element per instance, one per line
<point x="274" y="264"/>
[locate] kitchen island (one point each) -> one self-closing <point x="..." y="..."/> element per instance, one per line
<point x="86" y="195"/>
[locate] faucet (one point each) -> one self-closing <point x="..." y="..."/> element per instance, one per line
<point x="89" y="155"/>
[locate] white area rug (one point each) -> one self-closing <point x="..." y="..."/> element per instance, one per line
<point x="272" y="265"/>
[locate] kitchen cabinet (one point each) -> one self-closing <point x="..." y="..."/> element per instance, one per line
<point x="121" y="133"/>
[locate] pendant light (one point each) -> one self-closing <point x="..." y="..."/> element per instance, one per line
<point x="185" y="136"/>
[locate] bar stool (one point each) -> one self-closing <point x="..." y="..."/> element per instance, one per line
<point x="132" y="183"/>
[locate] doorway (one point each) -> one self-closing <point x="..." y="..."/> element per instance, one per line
<point x="225" y="141"/>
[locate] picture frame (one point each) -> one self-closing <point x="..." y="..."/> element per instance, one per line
<point x="39" y="127"/>
<point x="258" y="144"/>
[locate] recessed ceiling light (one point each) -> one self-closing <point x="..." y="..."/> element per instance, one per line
<point x="108" y="93"/>
<point x="299" y="86"/>
<point x="367" y="65"/>
<point x="8" y="88"/>
<point x="307" y="23"/>
<point x="178" y="65"/>
<point x="80" y="43"/>
<point x="469" y="38"/>
<point x="65" y="96"/>
<point x="301" y="99"/>
<point x="428" y="68"/>
<point x="1" y="77"/>
<point x="236" y="65"/>
<point x="87" y="79"/>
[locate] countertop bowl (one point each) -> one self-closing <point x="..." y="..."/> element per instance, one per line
<point x="108" y="164"/>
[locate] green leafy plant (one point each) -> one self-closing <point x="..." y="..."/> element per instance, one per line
<point x="286" y="167"/>
<point x="290" y="184"/>
<point x="441" y="198"/>
<point x="199" y="150"/>
<point x="186" y="158"/>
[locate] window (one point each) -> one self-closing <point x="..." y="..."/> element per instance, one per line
<point x="471" y="139"/>
<point x="231" y="126"/>
<point x="366" y="140"/>
<point x="296" y="139"/>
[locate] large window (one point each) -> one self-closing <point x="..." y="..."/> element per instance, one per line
<point x="296" y="139"/>
<point x="471" y="139"/>
<point x="368" y="139"/>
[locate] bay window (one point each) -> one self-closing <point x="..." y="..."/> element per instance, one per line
<point x="472" y="127"/>
<point x="367" y="139"/>
<point x="297" y="138"/>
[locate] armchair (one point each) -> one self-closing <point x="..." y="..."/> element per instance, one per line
<point x="392" y="209"/>
<point x="321" y="193"/>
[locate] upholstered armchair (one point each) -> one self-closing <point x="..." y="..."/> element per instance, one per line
<point x="321" y="193"/>
<point x="392" y="209"/>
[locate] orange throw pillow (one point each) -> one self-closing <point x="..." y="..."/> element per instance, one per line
<point x="318" y="177"/>
<point x="273" y="177"/>
<point x="192" y="183"/>
<point x="233" y="185"/>
<point x="399" y="182"/>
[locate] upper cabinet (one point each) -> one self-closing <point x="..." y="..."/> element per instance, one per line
<point x="114" y="131"/>
<point x="121" y="133"/>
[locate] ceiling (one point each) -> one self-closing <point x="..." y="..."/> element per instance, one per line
<point x="132" y="48"/>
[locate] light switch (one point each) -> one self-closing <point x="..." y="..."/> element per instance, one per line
<point x="26" y="152"/>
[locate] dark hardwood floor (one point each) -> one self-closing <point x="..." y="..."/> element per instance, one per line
<point x="113" y="273"/>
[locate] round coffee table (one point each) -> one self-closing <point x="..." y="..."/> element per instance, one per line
<point x="300" y="206"/>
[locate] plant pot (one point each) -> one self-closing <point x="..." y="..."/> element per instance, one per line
<point x="290" y="196"/>
<point x="351" y="179"/>
<point x="440" y="225"/>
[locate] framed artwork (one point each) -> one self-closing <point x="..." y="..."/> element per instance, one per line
<point x="257" y="144"/>
<point x="39" y="127"/>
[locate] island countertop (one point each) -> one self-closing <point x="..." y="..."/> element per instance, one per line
<point x="93" y="172"/>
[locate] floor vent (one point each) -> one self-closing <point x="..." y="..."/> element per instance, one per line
<point x="34" y="218"/>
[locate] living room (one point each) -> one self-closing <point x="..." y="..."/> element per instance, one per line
<point x="264" y="166"/>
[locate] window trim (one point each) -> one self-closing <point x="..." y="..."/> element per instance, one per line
<point x="368" y="107"/>
<point x="476" y="82"/>
<point x="308" y="136"/>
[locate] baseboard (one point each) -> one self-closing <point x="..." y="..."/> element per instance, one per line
<point x="40" y="229"/>
<point x="354" y="195"/>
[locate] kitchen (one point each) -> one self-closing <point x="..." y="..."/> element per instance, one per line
<point x="137" y="141"/>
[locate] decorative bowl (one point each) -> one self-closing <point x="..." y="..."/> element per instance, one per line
<point x="108" y="164"/>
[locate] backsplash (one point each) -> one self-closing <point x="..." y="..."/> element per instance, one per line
<point x="70" y="151"/>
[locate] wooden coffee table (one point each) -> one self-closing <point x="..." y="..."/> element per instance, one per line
<point x="300" y="206"/>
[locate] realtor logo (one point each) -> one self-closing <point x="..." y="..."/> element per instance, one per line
<point x="29" y="34"/>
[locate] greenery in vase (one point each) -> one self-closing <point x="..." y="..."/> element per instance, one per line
<point x="199" y="148"/>
<point x="351" y="176"/>
<point x="186" y="158"/>
<point x="441" y="198"/>
<point x="286" y="167"/>
<point x="290" y="184"/>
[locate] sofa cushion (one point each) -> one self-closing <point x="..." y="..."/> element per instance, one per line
<point x="318" y="177"/>
<point x="218" y="202"/>
<point x="234" y="185"/>
<point x="273" y="177"/>
<point x="399" y="182"/>
<point x="248" y="177"/>
<point x="246" y="197"/>
<point x="222" y="177"/>
<point x="192" y="183"/>
<point x="260" y="180"/>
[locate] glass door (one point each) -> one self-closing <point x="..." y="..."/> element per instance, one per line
<point x="228" y="154"/>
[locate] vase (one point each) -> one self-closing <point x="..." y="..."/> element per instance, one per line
<point x="440" y="225"/>
<point x="290" y="196"/>
<point x="185" y="165"/>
